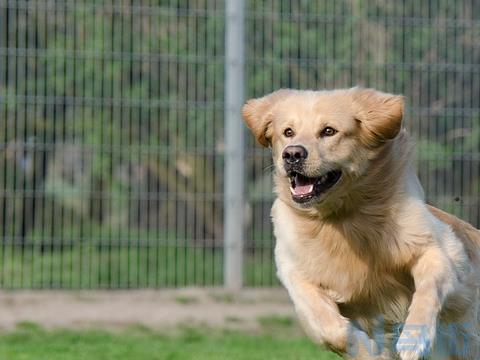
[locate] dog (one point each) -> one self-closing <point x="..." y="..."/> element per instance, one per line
<point x="372" y="270"/>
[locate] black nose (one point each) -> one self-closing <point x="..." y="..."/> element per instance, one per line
<point x="294" y="154"/>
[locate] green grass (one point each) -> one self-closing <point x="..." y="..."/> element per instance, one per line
<point x="185" y="300"/>
<point x="29" y="342"/>
<point x="276" y="322"/>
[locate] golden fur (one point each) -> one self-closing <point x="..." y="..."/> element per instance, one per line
<point x="369" y="255"/>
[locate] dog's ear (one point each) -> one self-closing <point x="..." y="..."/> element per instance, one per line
<point x="380" y="115"/>
<point x="258" y="114"/>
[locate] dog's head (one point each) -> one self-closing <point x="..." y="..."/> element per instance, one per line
<point x="323" y="141"/>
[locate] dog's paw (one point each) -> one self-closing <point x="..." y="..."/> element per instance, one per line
<point x="415" y="342"/>
<point x="332" y="334"/>
<point x="361" y="345"/>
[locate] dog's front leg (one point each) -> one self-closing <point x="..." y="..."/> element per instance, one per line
<point x="318" y="313"/>
<point x="434" y="279"/>
<point x="321" y="318"/>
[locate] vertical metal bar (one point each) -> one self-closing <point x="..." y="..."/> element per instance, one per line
<point x="4" y="114"/>
<point x="234" y="140"/>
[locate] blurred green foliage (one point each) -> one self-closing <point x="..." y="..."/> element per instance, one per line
<point x="112" y="112"/>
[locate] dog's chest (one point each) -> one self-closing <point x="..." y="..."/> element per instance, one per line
<point x="334" y="268"/>
<point x="324" y="256"/>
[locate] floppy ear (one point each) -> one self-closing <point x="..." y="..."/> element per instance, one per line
<point x="380" y="115"/>
<point x="258" y="114"/>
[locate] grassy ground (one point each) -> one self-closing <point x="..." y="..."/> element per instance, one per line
<point x="30" y="342"/>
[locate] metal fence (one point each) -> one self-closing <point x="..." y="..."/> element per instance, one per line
<point x="112" y="148"/>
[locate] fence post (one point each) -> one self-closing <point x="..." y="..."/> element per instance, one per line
<point x="3" y="45"/>
<point x="234" y="143"/>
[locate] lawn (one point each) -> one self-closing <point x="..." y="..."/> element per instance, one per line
<point x="30" y="342"/>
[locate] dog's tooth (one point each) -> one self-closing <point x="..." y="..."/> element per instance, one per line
<point x="323" y="178"/>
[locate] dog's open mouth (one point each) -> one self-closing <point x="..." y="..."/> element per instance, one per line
<point x="304" y="188"/>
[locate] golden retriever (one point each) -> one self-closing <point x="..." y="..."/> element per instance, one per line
<point x="373" y="271"/>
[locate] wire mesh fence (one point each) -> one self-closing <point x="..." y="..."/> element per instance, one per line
<point x="112" y="120"/>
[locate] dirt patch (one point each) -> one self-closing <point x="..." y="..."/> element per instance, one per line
<point x="160" y="309"/>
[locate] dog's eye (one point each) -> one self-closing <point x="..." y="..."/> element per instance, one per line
<point x="288" y="132"/>
<point x="328" y="131"/>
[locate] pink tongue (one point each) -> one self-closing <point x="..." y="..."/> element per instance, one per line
<point x="302" y="189"/>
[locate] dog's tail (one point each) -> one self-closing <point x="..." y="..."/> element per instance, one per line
<point x="469" y="235"/>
